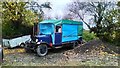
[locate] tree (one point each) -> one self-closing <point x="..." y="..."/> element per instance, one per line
<point x="16" y="18"/>
<point x="75" y="10"/>
<point x="111" y="29"/>
<point x="95" y="9"/>
<point x="106" y="18"/>
<point x="37" y="8"/>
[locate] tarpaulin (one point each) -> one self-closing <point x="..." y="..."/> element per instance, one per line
<point x="46" y="28"/>
<point x="69" y="32"/>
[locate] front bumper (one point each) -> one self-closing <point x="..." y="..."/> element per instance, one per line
<point x="30" y="45"/>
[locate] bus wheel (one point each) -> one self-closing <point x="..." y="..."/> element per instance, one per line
<point x="42" y="50"/>
<point x="73" y="45"/>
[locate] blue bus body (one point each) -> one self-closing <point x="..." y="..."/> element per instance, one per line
<point x="54" y="33"/>
<point x="69" y="32"/>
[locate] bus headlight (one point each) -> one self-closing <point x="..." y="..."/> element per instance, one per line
<point x="36" y="40"/>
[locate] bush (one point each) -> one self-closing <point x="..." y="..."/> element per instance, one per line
<point x="9" y="31"/>
<point x="18" y="22"/>
<point x="87" y="36"/>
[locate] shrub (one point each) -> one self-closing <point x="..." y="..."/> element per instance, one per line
<point x="87" y="36"/>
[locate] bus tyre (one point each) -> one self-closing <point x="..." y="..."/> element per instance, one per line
<point x="42" y="50"/>
<point x="73" y="45"/>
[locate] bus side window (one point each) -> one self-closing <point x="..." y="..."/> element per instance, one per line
<point x="58" y="29"/>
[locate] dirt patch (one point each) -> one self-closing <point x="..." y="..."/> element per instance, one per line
<point x="93" y="53"/>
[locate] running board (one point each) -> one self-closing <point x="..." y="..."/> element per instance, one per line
<point x="56" y="47"/>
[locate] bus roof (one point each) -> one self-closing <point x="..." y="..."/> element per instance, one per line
<point x="59" y="22"/>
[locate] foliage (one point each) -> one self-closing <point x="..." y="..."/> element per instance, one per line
<point x="110" y="27"/>
<point x="106" y="19"/>
<point x="95" y="9"/>
<point x="88" y="36"/>
<point x="37" y="8"/>
<point x="17" y="19"/>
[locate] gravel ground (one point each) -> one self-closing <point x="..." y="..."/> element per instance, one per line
<point x="93" y="53"/>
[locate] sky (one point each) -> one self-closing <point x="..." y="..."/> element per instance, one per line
<point x="59" y="8"/>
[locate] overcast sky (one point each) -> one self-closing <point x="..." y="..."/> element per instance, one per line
<point x="59" y="7"/>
